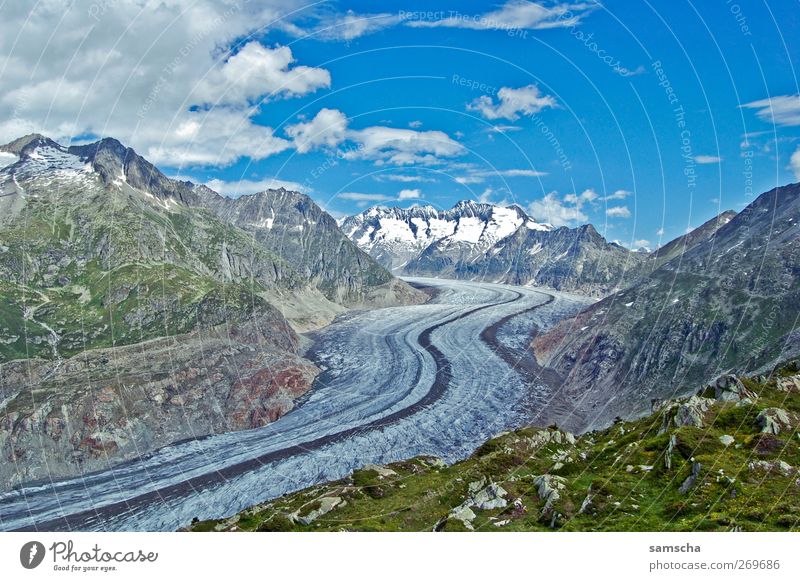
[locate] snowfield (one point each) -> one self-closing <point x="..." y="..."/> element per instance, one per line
<point x="396" y="382"/>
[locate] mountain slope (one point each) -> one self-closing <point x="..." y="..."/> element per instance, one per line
<point x="135" y="312"/>
<point x="730" y="302"/>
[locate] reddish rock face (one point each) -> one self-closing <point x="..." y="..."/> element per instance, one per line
<point x="90" y="412"/>
<point x="267" y="394"/>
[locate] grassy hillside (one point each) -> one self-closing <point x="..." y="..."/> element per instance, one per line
<point x="725" y="459"/>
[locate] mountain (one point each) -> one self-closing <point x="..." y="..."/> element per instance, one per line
<point x="720" y="460"/>
<point x="137" y="310"/>
<point x="729" y="302"/>
<point x="495" y="244"/>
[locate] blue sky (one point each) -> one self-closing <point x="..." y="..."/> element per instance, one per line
<point x="644" y="118"/>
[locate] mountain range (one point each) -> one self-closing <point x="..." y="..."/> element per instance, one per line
<point x="491" y="243"/>
<point x="137" y="310"/>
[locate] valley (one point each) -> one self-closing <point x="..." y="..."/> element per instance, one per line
<point x="396" y="382"/>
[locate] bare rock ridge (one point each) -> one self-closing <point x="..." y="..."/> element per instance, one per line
<point x="138" y="310"/>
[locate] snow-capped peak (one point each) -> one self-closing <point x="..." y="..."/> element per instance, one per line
<point x="396" y="235"/>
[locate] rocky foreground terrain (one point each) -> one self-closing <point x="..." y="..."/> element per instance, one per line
<point x="726" y="458"/>
<point x="137" y="310"/>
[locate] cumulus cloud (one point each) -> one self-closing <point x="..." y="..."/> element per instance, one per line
<point x="327" y="128"/>
<point x="642" y="243"/>
<point x="782" y="110"/>
<point x="511" y="103"/>
<point x="383" y="145"/>
<point x="234" y="189"/>
<point x="409" y="194"/>
<point x="579" y="200"/>
<point x="557" y="211"/>
<point x="618" y="212"/>
<point x="389" y="145"/>
<point x="515" y="14"/>
<point x="258" y="72"/>
<point x="707" y="159"/>
<point x="158" y="83"/>
<point x="217" y="137"/>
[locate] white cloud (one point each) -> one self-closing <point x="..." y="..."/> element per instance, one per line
<point x="511" y="103"/>
<point x="782" y="110"/>
<point x="402" y="146"/>
<point x="642" y="243"/>
<point x="470" y="179"/>
<point x="327" y="128"/>
<point x="409" y="194"/>
<point x="795" y="163"/>
<point x="384" y="145"/>
<point x="120" y="69"/>
<point x="217" y="137"/>
<point x="618" y="212"/>
<point x="258" y="72"/>
<point x="617" y="195"/>
<point x="234" y="189"/>
<point x="519" y="173"/>
<point x="476" y="177"/>
<point x="660" y="232"/>
<point x="347" y="26"/>
<point x="556" y="211"/>
<point x="707" y="159"/>
<point x="359" y="197"/>
<point x="588" y="195"/>
<point x="514" y="14"/>
<point x="415" y="124"/>
<point x="504" y="128"/>
<point x="402" y="178"/>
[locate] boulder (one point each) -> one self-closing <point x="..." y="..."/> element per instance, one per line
<point x="464" y="514"/>
<point x="726" y="440"/>
<point x="326" y="504"/>
<point x="383" y="471"/>
<point x="730" y="388"/>
<point x="691" y="480"/>
<point x="689" y="412"/>
<point x="493" y="496"/>
<point x="548" y="487"/>
<point x="773" y="420"/>
<point x="788" y="384"/>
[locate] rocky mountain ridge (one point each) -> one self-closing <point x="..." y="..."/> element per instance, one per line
<point x="727" y="303"/>
<point x="173" y="297"/>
